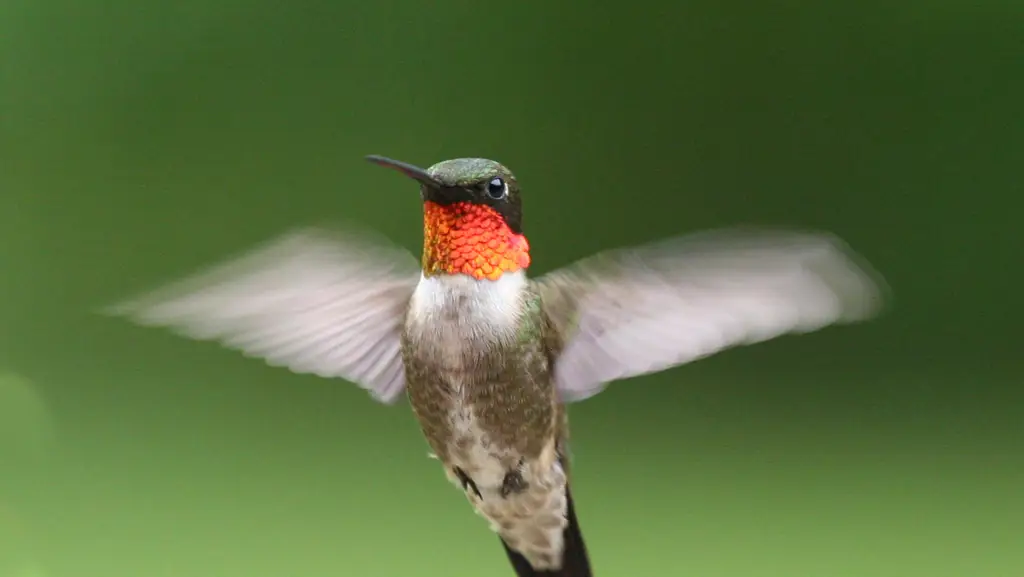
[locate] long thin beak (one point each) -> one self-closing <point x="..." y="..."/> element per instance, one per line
<point x="409" y="170"/>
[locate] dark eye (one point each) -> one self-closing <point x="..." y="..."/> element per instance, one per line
<point x="496" y="188"/>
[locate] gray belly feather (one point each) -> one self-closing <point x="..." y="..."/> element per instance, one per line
<point x="484" y="399"/>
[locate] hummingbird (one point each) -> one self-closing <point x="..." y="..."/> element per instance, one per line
<point x="488" y="356"/>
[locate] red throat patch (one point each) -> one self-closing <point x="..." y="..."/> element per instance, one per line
<point x="470" y="239"/>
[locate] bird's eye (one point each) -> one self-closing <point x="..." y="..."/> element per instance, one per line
<point x="496" y="188"/>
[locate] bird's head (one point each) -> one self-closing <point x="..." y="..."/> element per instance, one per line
<point x="472" y="217"/>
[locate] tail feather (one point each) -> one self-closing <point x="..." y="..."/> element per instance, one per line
<point x="575" y="562"/>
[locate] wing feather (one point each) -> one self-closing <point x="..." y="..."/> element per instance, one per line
<point x="315" y="301"/>
<point x="643" y="309"/>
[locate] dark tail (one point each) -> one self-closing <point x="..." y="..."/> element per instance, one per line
<point x="574" y="557"/>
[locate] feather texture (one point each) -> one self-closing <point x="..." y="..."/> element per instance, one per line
<point x="315" y="301"/>
<point x="644" y="309"/>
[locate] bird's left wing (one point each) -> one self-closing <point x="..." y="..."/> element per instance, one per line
<point x="643" y="309"/>
<point x="319" y="301"/>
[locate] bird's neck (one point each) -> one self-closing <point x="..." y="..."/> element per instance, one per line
<point x="470" y="239"/>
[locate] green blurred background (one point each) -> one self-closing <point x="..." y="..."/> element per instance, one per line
<point x="139" y="140"/>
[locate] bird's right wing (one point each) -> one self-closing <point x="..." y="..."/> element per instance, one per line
<point x="330" y="303"/>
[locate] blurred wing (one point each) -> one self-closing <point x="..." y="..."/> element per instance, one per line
<point x="644" y="309"/>
<point x="314" y="301"/>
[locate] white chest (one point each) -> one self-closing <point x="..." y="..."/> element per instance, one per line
<point x="456" y="312"/>
<point x="455" y="321"/>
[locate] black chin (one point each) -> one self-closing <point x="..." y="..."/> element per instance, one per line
<point x="445" y="195"/>
<point x="448" y="195"/>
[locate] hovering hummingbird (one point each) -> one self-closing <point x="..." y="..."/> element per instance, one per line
<point x="488" y="356"/>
